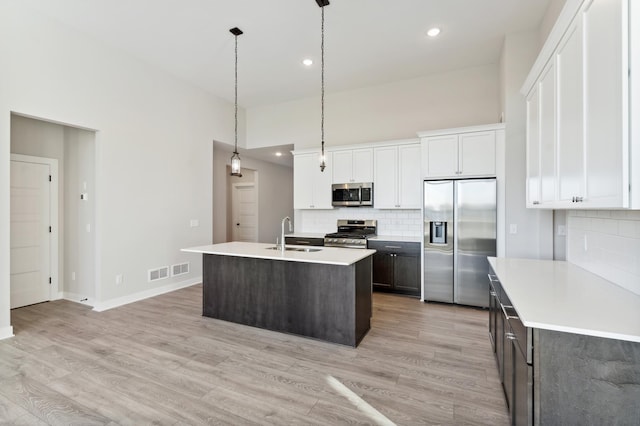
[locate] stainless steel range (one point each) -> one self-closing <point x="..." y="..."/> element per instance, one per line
<point x="352" y="234"/>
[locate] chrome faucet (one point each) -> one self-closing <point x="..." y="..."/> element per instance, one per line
<point x="282" y="245"/>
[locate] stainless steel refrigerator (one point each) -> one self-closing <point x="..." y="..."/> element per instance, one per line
<point x="459" y="234"/>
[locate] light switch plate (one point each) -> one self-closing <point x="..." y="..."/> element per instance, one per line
<point x="562" y="230"/>
<point x="513" y="228"/>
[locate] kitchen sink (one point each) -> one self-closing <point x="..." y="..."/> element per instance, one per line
<point x="305" y="249"/>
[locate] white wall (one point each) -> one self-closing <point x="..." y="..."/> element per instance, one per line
<point x="153" y="168"/>
<point x="612" y="248"/>
<point x="534" y="237"/>
<point x="78" y="280"/>
<point x="387" y="112"/>
<point x="275" y="196"/>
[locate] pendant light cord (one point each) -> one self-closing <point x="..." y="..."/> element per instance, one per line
<point x="236" y="99"/>
<point x="322" y="166"/>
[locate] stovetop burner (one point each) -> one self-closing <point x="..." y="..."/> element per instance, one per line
<point x="351" y="233"/>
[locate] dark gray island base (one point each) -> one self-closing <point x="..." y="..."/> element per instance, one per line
<point x="323" y="301"/>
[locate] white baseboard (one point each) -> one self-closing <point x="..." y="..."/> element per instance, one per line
<point x="6" y="332"/>
<point x="125" y="300"/>
<point x="77" y="298"/>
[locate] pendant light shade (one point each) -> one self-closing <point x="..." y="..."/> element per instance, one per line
<point x="235" y="158"/>
<point x="323" y="158"/>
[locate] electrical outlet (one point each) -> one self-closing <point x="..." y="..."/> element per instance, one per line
<point x="513" y="228"/>
<point x="119" y="279"/>
<point x="194" y="223"/>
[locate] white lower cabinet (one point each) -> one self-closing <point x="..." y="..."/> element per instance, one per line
<point x="579" y="106"/>
<point x="397" y="182"/>
<point x="311" y="187"/>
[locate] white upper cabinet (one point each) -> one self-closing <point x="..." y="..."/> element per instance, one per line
<point x="397" y="181"/>
<point x="533" y="148"/>
<point x="459" y="153"/>
<point x="477" y="154"/>
<point x="311" y="187"/>
<point x="580" y="151"/>
<point x="353" y="165"/>
<point x="409" y="177"/>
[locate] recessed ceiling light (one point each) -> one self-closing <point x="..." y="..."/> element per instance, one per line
<point x="307" y="62"/>
<point x="278" y="154"/>
<point x="433" y="32"/>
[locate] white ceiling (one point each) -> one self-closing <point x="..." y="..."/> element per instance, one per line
<point x="368" y="42"/>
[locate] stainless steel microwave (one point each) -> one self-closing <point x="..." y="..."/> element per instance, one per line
<point x="352" y="194"/>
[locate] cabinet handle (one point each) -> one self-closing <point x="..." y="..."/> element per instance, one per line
<point x="393" y="247"/>
<point x="506" y="315"/>
<point x="535" y="203"/>
<point x="302" y="242"/>
<point x="510" y="336"/>
<point x="492" y="294"/>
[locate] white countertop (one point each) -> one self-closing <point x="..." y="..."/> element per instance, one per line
<point x="560" y="296"/>
<point x="326" y="255"/>
<point x="396" y="238"/>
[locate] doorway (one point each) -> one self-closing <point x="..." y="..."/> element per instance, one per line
<point x="72" y="243"/>
<point x="244" y="212"/>
<point x="33" y="236"/>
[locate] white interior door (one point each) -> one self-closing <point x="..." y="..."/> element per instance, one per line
<point x="244" y="212"/>
<point x="30" y="233"/>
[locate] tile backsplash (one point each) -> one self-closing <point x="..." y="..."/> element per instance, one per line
<point x="606" y="243"/>
<point x="404" y="223"/>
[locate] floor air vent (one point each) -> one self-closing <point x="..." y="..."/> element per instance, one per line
<point x="158" y="274"/>
<point x="180" y="269"/>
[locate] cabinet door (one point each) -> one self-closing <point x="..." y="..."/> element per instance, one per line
<point x="409" y="177"/>
<point x="606" y="103"/>
<point x="570" y="140"/>
<point x="442" y="156"/>
<point x="342" y="166"/>
<point x="311" y="187"/>
<point x="383" y="270"/>
<point x="362" y="165"/>
<point x="522" y="392"/>
<point x="407" y="273"/>
<point x="322" y="183"/>
<point x="477" y="153"/>
<point x="533" y="148"/>
<point x="385" y="183"/>
<point x="303" y="178"/>
<point x="547" y="89"/>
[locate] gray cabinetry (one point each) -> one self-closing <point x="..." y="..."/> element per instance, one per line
<point x="396" y="266"/>
<point x="511" y="342"/>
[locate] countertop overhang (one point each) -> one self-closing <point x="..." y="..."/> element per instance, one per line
<point x="560" y="296"/>
<point x="326" y="255"/>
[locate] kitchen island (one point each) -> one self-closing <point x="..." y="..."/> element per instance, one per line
<point x="323" y="293"/>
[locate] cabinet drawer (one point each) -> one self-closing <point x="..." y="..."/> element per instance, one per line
<point x="399" y="247"/>
<point x="522" y="338"/>
<point x="302" y="241"/>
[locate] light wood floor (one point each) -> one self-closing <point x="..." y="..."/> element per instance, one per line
<point x="159" y="361"/>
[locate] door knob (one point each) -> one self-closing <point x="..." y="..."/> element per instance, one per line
<point x="237" y="224"/>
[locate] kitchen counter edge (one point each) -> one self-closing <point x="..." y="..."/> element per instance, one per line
<point x="326" y="255"/>
<point x="560" y="296"/>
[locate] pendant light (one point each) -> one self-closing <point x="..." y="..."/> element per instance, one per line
<point x="235" y="158"/>
<point x="323" y="158"/>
